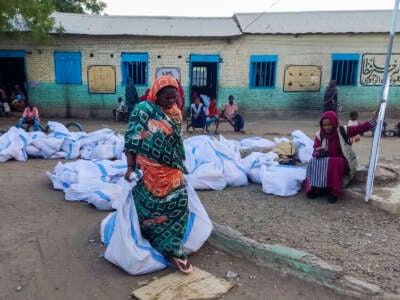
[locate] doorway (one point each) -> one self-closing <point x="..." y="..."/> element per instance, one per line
<point x="12" y="70"/>
<point x="204" y="75"/>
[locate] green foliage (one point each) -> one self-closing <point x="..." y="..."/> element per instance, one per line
<point x="79" y="6"/>
<point x="34" y="16"/>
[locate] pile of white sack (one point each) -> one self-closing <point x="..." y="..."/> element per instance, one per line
<point x="211" y="164"/>
<point x="18" y="144"/>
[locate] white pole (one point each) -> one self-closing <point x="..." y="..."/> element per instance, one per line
<point x="383" y="101"/>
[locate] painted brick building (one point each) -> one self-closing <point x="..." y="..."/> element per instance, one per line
<point x="273" y="63"/>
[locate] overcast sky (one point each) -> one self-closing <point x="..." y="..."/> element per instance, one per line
<point x="212" y="8"/>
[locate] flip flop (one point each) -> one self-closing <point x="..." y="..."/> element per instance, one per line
<point x="183" y="265"/>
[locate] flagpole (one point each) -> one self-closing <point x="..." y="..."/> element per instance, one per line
<point x="381" y="116"/>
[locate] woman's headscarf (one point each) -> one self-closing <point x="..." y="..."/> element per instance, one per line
<point x="160" y="83"/>
<point x="332" y="116"/>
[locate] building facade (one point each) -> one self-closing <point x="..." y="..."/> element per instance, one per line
<point x="275" y="64"/>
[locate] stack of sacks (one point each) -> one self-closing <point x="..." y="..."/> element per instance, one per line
<point x="60" y="143"/>
<point x="252" y="164"/>
<point x="102" y="144"/>
<point x="213" y="164"/>
<point x="205" y="169"/>
<point x="12" y="145"/>
<point x="96" y="182"/>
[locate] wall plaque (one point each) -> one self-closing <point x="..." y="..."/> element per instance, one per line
<point x="372" y="68"/>
<point x="301" y="78"/>
<point x="169" y="71"/>
<point x="101" y="79"/>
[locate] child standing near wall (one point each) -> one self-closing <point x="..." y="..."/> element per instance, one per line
<point x="354" y="122"/>
<point x="120" y="113"/>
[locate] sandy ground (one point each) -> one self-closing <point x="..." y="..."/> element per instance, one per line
<point x="50" y="249"/>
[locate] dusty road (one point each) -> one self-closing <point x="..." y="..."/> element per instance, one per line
<point x="50" y="249"/>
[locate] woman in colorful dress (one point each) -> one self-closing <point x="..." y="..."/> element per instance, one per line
<point x="333" y="157"/>
<point x="153" y="144"/>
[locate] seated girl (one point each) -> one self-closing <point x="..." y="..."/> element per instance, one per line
<point x="198" y="115"/>
<point x="213" y="115"/>
<point x="333" y="157"/>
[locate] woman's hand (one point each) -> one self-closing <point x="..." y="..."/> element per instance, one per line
<point x="128" y="173"/>
<point x="131" y="161"/>
<point x="321" y="152"/>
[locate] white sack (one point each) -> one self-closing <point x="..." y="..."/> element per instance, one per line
<point x="282" y="180"/>
<point x="127" y="248"/>
<point x="12" y="145"/>
<point x="304" y="146"/>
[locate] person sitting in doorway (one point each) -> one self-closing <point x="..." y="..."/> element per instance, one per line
<point x="30" y="116"/>
<point x="213" y="115"/>
<point x="4" y="107"/>
<point x="231" y="114"/>
<point x="19" y="100"/>
<point x="197" y="115"/>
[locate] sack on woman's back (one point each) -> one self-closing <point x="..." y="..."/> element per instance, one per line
<point x="286" y="152"/>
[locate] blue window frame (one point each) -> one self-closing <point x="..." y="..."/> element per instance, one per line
<point x="135" y="66"/>
<point x="345" y="68"/>
<point x="263" y="71"/>
<point x="68" y="67"/>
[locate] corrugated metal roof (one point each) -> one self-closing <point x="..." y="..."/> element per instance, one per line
<point x="146" y="25"/>
<point x="316" y="22"/>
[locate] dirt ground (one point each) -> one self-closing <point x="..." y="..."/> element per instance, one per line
<point x="50" y="249"/>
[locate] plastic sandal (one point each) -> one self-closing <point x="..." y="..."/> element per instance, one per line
<point x="183" y="265"/>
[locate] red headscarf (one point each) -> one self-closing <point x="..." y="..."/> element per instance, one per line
<point x="160" y="83"/>
<point x="332" y="116"/>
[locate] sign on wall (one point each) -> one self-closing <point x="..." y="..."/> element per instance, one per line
<point x="101" y="79"/>
<point x="169" y="71"/>
<point x="302" y="78"/>
<point x="373" y="66"/>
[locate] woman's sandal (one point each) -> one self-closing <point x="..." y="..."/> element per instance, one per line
<point x="183" y="265"/>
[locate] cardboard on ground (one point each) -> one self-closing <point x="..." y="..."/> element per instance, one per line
<point x="177" y="286"/>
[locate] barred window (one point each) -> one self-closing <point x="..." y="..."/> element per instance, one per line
<point x="135" y="66"/>
<point x="199" y="76"/>
<point x="263" y="71"/>
<point x="345" y="69"/>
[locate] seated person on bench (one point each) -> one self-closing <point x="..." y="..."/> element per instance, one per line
<point x="212" y="115"/>
<point x="30" y="116"/>
<point x="197" y="115"/>
<point x="230" y="113"/>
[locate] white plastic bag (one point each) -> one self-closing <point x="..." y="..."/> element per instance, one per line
<point x="304" y="146"/>
<point x="282" y="180"/>
<point x="127" y="248"/>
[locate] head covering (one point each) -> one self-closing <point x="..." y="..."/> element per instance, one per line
<point x="160" y="83"/>
<point x="331" y="115"/>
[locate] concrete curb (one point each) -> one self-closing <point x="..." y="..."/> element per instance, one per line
<point x="303" y="265"/>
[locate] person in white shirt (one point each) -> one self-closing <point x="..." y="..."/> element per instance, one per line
<point x="120" y="113"/>
<point x="354" y="122"/>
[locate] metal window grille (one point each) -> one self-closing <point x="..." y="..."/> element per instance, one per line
<point x="345" y="71"/>
<point x="263" y="74"/>
<point x="199" y="76"/>
<point x="136" y="71"/>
